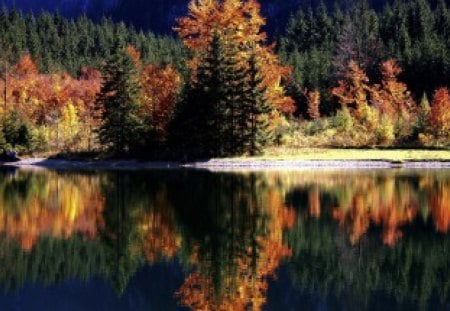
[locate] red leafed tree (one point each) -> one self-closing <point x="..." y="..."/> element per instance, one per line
<point x="25" y="66"/>
<point x="353" y="92"/>
<point x="440" y="112"/>
<point x="42" y="98"/>
<point x="161" y="86"/>
<point x="135" y="55"/>
<point x="392" y="97"/>
<point x="22" y="83"/>
<point x="313" y="98"/>
<point x="239" y="23"/>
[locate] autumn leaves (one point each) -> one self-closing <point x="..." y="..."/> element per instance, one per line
<point x="229" y="99"/>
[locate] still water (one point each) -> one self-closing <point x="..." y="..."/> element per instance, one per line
<point x="196" y="240"/>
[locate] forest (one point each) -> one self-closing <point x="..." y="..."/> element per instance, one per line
<point x="336" y="76"/>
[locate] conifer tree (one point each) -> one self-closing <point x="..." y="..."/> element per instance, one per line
<point x="118" y="100"/>
<point x="259" y="134"/>
<point x="201" y="111"/>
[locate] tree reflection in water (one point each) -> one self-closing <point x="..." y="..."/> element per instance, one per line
<point x="348" y="234"/>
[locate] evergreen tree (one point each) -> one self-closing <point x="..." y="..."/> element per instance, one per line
<point x="118" y="100"/>
<point x="258" y="133"/>
<point x="222" y="107"/>
<point x="205" y="103"/>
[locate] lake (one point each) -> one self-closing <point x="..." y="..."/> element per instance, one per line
<point x="199" y="240"/>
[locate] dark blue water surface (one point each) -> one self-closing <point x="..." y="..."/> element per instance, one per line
<point x="197" y="240"/>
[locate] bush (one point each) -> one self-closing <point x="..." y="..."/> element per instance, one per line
<point x="316" y="127"/>
<point x="39" y="138"/>
<point x="16" y="132"/>
<point x="385" y="132"/>
<point x="342" y="121"/>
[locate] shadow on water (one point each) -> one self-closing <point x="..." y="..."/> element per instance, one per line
<point x="131" y="240"/>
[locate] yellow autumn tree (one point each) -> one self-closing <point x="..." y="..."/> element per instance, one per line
<point x="69" y="125"/>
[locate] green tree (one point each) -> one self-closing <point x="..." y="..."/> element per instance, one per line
<point x="15" y="131"/>
<point x="118" y="99"/>
<point x="258" y="133"/>
<point x="208" y="106"/>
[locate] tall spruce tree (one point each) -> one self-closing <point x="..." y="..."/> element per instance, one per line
<point x="118" y="101"/>
<point x="201" y="109"/>
<point x="258" y="134"/>
<point x="222" y="106"/>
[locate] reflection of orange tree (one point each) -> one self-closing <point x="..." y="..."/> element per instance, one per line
<point x="245" y="282"/>
<point x="390" y="212"/>
<point x="439" y="202"/>
<point x="159" y="230"/>
<point x="360" y="200"/>
<point x="59" y="208"/>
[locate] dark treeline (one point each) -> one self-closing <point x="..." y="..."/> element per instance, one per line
<point x="159" y="15"/>
<point x="60" y="44"/>
<point x="319" y="43"/>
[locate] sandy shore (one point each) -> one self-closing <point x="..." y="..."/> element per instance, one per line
<point x="223" y="164"/>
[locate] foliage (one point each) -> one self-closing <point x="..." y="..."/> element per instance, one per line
<point x="225" y="106"/>
<point x="352" y="72"/>
<point x="320" y="41"/>
<point x="70" y="126"/>
<point x="313" y="98"/>
<point x="160" y="88"/>
<point x="239" y="23"/>
<point x="118" y="101"/>
<point x="16" y="132"/>
<point x="394" y="101"/>
<point x="440" y="113"/>
<point x="61" y="44"/>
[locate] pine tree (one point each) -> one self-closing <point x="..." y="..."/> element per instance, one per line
<point x="258" y="134"/>
<point x="223" y="106"/>
<point x="118" y="99"/>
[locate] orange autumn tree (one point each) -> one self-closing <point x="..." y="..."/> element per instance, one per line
<point x="393" y="99"/>
<point x="88" y="86"/>
<point x="161" y="86"/>
<point x="22" y="82"/>
<point x="353" y="92"/>
<point x="238" y="23"/>
<point x="54" y="105"/>
<point x="439" y="118"/>
<point x="313" y="99"/>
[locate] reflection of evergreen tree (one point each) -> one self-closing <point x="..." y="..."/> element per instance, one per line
<point x="120" y="233"/>
<point x="231" y="232"/>
<point x="220" y="220"/>
<point x="51" y="261"/>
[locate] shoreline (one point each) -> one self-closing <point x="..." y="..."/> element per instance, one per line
<point x="227" y="164"/>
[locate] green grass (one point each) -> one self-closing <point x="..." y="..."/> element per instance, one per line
<point x="394" y="155"/>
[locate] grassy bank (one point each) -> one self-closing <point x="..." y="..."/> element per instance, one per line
<point x="288" y="156"/>
<point x="393" y="155"/>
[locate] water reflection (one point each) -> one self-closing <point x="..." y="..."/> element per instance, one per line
<point x="35" y="205"/>
<point x="353" y="237"/>
<point x="388" y="200"/>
